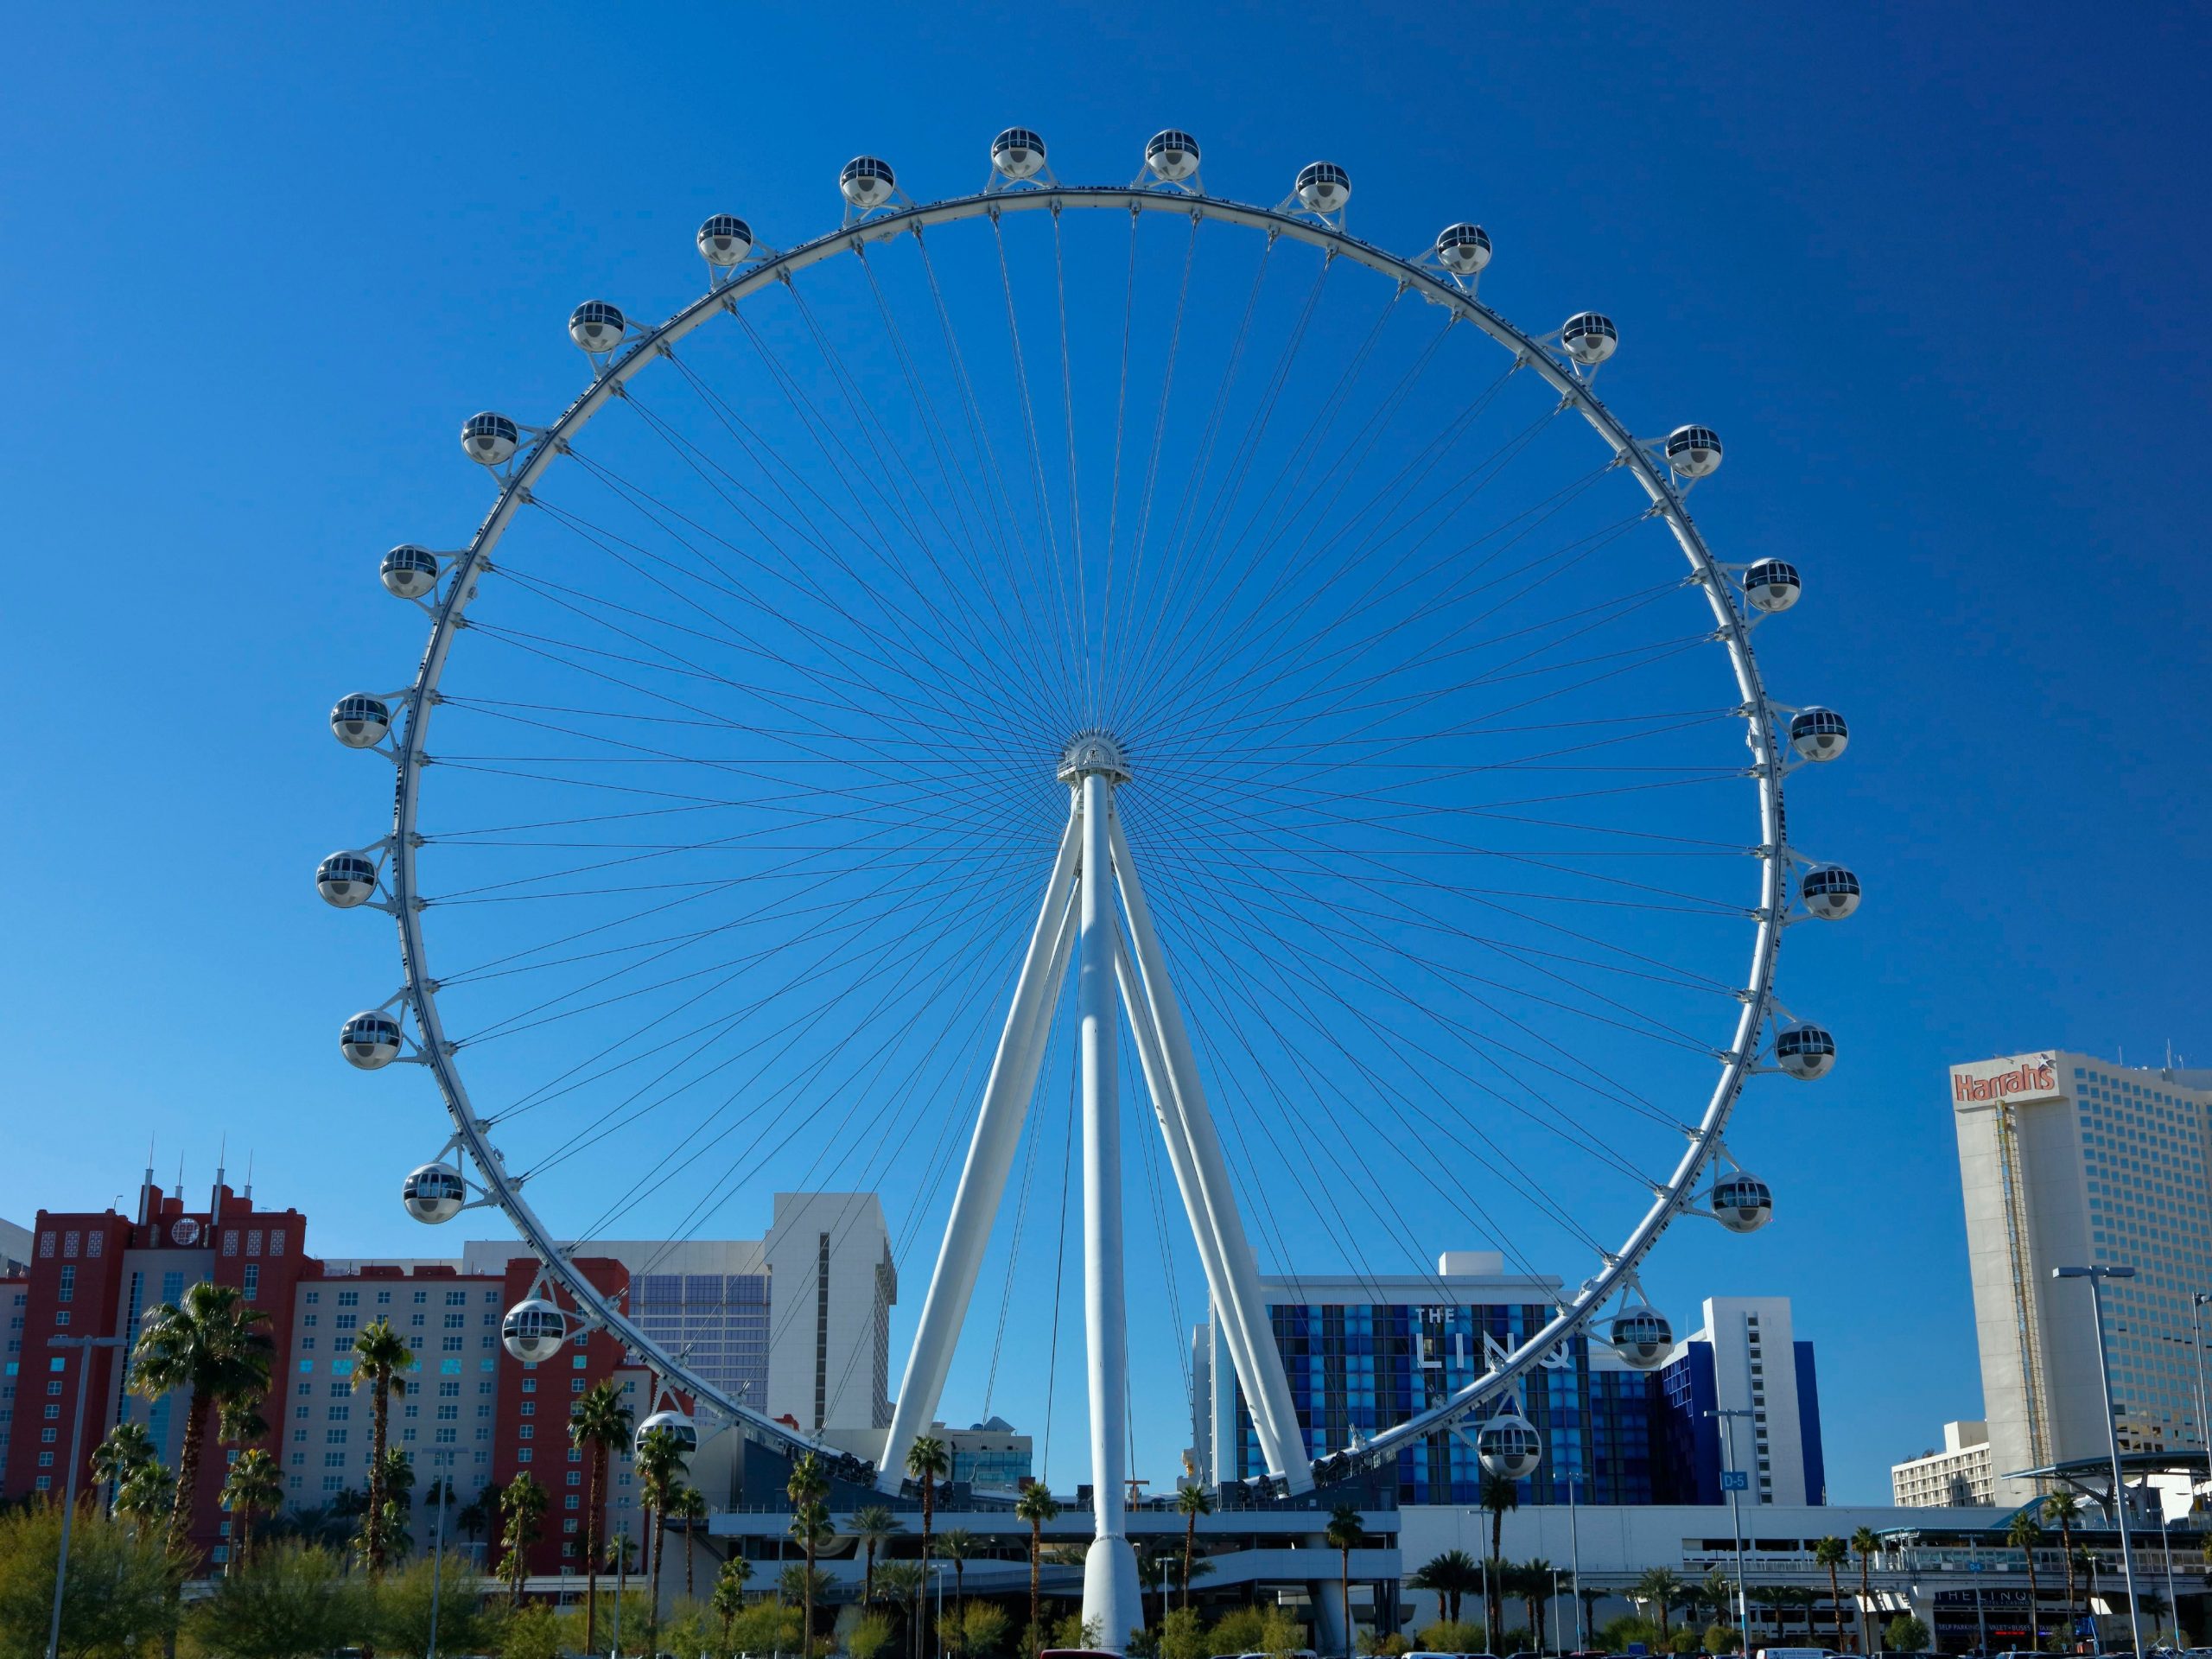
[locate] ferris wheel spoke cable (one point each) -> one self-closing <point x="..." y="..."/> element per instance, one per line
<point x="1074" y="477"/>
<point x="1106" y="633"/>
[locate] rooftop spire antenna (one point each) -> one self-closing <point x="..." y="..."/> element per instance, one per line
<point x="249" y="1176"/>
<point x="146" y="1186"/>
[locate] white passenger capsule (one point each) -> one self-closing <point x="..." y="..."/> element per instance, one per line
<point x="685" y="1431"/>
<point x="1641" y="1336"/>
<point x="1018" y="153"/>
<point x="867" y="183"/>
<point x="1830" y="893"/>
<point x="1508" y="1446"/>
<point x="489" y="440"/>
<point x="1323" y="187"/>
<point x="1174" y="155"/>
<point x="360" y="721"/>
<point x="409" y="572"/>
<point x="1462" y="250"/>
<point x="1694" y="451"/>
<point x="1804" y="1051"/>
<point x="533" y="1331"/>
<point x="434" y="1194"/>
<point x="724" y="240"/>
<point x="370" y="1040"/>
<point x="596" y="326"/>
<point x="1742" y="1203"/>
<point x="1771" y="585"/>
<point x="345" y="880"/>
<point x="1589" y="338"/>
<point x="1819" y="734"/>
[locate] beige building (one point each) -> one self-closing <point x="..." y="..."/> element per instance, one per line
<point x="1959" y="1476"/>
<point x="2067" y="1160"/>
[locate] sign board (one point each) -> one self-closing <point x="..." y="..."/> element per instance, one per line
<point x="2014" y="1078"/>
<point x="1735" y="1480"/>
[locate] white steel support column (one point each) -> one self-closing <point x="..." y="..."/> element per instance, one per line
<point x="1266" y="1390"/>
<point x="1174" y="1132"/>
<point x="1110" y="1595"/>
<point x="990" y="1156"/>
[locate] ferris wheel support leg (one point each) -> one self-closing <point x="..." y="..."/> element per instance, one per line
<point x="1267" y="1389"/>
<point x="991" y="1157"/>
<point x="1161" y="1086"/>
<point x="1110" y="1595"/>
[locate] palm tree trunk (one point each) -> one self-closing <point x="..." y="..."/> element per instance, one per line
<point x="660" y="1548"/>
<point x="379" y="1407"/>
<point x="687" y="1560"/>
<point x="1190" y="1549"/>
<point x="1036" y="1594"/>
<point x="806" y="1632"/>
<point x="188" y="1473"/>
<point x="2035" y="1620"/>
<point x="591" y="1552"/>
<point x="867" y="1580"/>
<point x="929" y="1515"/>
<point x="1344" y="1589"/>
<point x="1835" y="1606"/>
<point x="1865" y="1595"/>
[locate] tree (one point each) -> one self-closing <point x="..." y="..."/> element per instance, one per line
<point x="690" y="1506"/>
<point x="1036" y="1506"/>
<point x="522" y="1510"/>
<point x="239" y="1422"/>
<point x="214" y="1343"/>
<point x="1190" y="1502"/>
<point x="1537" y="1582"/>
<point x="974" y="1631"/>
<point x="381" y="1361"/>
<point x="1832" y="1553"/>
<point x="1907" y="1631"/>
<point x="870" y="1637"/>
<point x="295" y="1600"/>
<point x="1663" y="1587"/>
<point x="598" y="1423"/>
<point x="902" y="1583"/>
<point x="118" y="1595"/>
<point x="658" y="1460"/>
<point x="1343" y="1532"/>
<point x="2025" y="1534"/>
<point x="727" y="1599"/>
<point x="928" y="1462"/>
<point x="809" y="1528"/>
<point x="1498" y="1495"/>
<point x="2065" y="1509"/>
<point x="1449" y="1577"/>
<point x="402" y="1623"/>
<point x="254" y="1483"/>
<point x="874" y="1525"/>
<point x="957" y="1546"/>
<point x="147" y="1498"/>
<point x="481" y="1513"/>
<point x="1867" y="1545"/>
<point x="127" y="1449"/>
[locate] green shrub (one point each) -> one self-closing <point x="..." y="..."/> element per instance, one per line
<point x="1453" y="1636"/>
<point x="532" y="1632"/>
<point x="466" y="1622"/>
<point x="119" y="1596"/>
<point x="1906" y="1630"/>
<point x="288" y="1601"/>
<point x="1723" y="1638"/>
<point x="870" y="1637"/>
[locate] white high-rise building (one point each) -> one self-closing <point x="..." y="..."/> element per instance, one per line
<point x="1958" y="1477"/>
<point x="2067" y="1160"/>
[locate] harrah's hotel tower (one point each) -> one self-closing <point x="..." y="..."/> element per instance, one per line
<point x="2069" y="1160"/>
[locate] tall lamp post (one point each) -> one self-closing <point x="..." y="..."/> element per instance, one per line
<point x="1735" y="1480"/>
<point x="2096" y="1276"/>
<point x="441" y="1487"/>
<point x="83" y="1345"/>
<point x="2196" y="1305"/>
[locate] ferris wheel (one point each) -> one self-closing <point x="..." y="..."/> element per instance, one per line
<point x="1063" y="652"/>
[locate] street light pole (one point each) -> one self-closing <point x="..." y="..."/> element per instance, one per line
<point x="1574" y="1562"/>
<point x="2096" y="1276"/>
<point x="1735" y="1516"/>
<point x="439" y="1484"/>
<point x="2196" y="1304"/>
<point x="83" y="1345"/>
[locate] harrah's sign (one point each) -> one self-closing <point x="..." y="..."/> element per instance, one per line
<point x="2020" y="1077"/>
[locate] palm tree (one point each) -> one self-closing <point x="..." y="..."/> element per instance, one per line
<point x="478" y="1514"/>
<point x="215" y="1343"/>
<point x="1831" y="1553"/>
<point x="1343" y="1532"/>
<point x="928" y="1462"/>
<point x="2025" y="1534"/>
<point x="1498" y="1495"/>
<point x="523" y="1507"/>
<point x="127" y="1449"/>
<point x="254" y="1483"/>
<point x="688" y="1505"/>
<point x="240" y="1421"/>
<point x="381" y="1360"/>
<point x="1536" y="1585"/>
<point x="728" y="1598"/>
<point x="957" y="1546"/>
<point x="658" y="1461"/>
<point x="811" y="1528"/>
<point x="902" y="1583"/>
<point x="2065" y="1509"/>
<point x="1036" y="1505"/>
<point x="1867" y="1545"/>
<point x="1664" y="1587"/>
<point x="598" y="1423"/>
<point x="874" y="1526"/>
<point x="1451" y="1576"/>
<point x="1192" y="1501"/>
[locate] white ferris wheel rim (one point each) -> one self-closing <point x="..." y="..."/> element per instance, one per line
<point x="1618" y="1273"/>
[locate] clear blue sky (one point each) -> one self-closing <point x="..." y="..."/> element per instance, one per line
<point x="1939" y="279"/>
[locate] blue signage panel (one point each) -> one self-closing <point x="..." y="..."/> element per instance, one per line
<point x="1735" y="1480"/>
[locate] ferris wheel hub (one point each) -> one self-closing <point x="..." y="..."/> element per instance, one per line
<point x="1093" y="751"/>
